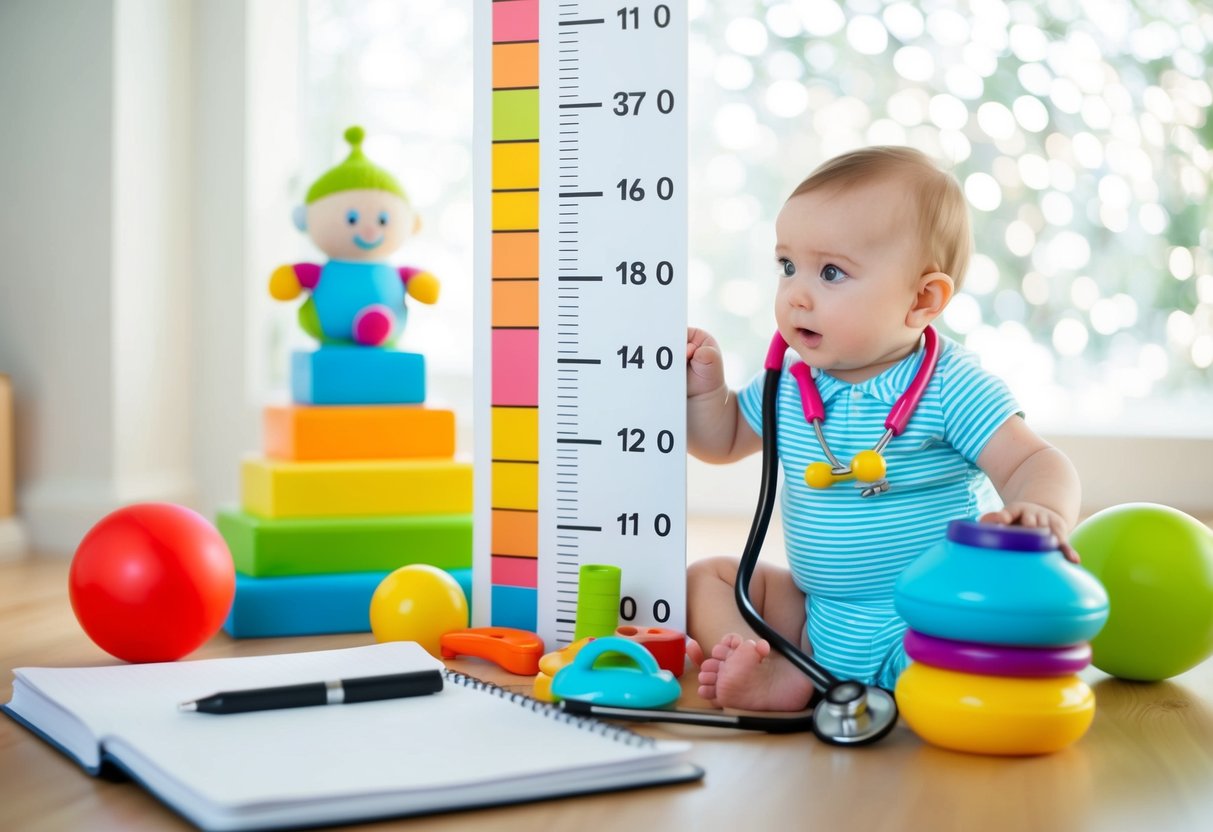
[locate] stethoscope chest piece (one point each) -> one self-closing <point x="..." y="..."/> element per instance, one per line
<point x="854" y="714"/>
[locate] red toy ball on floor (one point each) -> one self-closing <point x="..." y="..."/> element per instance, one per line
<point x="151" y="582"/>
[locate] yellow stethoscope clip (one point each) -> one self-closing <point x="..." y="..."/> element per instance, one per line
<point x="868" y="467"/>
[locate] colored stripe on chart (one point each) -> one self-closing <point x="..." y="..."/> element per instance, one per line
<point x="515" y="313"/>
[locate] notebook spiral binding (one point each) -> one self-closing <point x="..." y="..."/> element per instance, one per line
<point x="585" y="723"/>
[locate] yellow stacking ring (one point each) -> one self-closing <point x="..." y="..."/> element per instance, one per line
<point x="994" y="714"/>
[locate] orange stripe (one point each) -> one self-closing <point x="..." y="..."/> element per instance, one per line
<point x="515" y="65"/>
<point x="516" y="255"/>
<point x="516" y="533"/>
<point x="516" y="303"/>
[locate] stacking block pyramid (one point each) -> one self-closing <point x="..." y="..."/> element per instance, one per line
<point x="358" y="479"/>
<point x="998" y="629"/>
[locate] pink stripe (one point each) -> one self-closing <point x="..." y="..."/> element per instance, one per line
<point x="516" y="367"/>
<point x="522" y="572"/>
<point x="515" y="20"/>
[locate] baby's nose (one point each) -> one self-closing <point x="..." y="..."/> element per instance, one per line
<point x="799" y="294"/>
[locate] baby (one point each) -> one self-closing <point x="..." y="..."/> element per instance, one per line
<point x="869" y="250"/>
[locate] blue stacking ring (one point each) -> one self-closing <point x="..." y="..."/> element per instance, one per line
<point x="1000" y="585"/>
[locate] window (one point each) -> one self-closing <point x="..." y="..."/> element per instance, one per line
<point x="1079" y="135"/>
<point x="1079" y="132"/>
<point x="403" y="72"/>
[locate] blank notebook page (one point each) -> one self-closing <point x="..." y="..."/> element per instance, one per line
<point x="457" y="737"/>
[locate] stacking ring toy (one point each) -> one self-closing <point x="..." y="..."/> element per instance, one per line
<point x="1004" y="585"/>
<point x="992" y="660"/>
<point x="994" y="714"/>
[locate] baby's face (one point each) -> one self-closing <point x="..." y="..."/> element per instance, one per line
<point x="849" y="259"/>
<point x="363" y="225"/>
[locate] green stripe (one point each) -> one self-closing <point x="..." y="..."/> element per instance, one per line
<point x="515" y="115"/>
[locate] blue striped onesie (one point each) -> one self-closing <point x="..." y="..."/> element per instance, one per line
<point x="845" y="552"/>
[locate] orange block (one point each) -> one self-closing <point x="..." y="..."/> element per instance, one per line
<point x="515" y="303"/>
<point x="336" y="432"/>
<point x="515" y="533"/>
<point x="516" y="254"/>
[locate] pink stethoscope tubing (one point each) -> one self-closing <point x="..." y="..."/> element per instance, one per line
<point x="895" y="422"/>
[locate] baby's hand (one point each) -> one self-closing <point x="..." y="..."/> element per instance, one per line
<point x="705" y="368"/>
<point x="1035" y="516"/>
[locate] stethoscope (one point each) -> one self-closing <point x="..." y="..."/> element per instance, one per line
<point x="850" y="712"/>
<point x="847" y="712"/>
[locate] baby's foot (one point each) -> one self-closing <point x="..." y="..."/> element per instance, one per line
<point x="373" y="324"/>
<point x="741" y="673"/>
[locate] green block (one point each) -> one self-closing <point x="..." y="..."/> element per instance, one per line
<point x="324" y="545"/>
<point x="515" y="115"/>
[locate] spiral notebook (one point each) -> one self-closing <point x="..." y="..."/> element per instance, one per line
<point x="471" y="745"/>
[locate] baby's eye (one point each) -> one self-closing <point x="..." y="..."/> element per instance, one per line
<point x="832" y="274"/>
<point x="786" y="267"/>
<point x="351" y="216"/>
<point x="383" y="217"/>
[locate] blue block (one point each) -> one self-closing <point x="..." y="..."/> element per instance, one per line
<point x="515" y="606"/>
<point x="308" y="605"/>
<point x="357" y="375"/>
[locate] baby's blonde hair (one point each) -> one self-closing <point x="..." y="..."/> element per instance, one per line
<point x="943" y="214"/>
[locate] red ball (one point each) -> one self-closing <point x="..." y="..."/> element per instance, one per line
<point x="152" y="582"/>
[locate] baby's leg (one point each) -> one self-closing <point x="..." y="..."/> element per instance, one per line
<point x="741" y="671"/>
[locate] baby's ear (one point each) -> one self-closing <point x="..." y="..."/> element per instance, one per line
<point x="935" y="290"/>
<point x="299" y="217"/>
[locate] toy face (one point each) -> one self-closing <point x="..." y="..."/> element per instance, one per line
<point x="362" y="225"/>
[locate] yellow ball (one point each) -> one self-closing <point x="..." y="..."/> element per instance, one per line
<point x="868" y="466"/>
<point x="819" y="475"/>
<point x="418" y="603"/>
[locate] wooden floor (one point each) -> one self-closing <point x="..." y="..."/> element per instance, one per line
<point x="1147" y="762"/>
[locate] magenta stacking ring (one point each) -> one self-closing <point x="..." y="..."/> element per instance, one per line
<point x="996" y="660"/>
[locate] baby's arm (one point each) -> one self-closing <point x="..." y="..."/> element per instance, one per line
<point x="1037" y="482"/>
<point x="716" y="431"/>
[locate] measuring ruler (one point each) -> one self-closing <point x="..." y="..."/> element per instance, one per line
<point x="581" y="268"/>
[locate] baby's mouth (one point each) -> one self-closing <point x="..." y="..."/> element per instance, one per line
<point x="809" y="337"/>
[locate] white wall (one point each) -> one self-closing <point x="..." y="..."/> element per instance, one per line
<point x="92" y="227"/>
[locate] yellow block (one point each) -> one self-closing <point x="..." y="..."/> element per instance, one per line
<point x="516" y="433"/>
<point x="516" y="485"/>
<point x="336" y="432"/>
<point x="355" y="489"/>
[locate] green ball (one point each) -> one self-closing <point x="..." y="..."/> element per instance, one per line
<point x="1157" y="565"/>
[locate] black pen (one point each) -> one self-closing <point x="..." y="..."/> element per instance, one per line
<point x="337" y="692"/>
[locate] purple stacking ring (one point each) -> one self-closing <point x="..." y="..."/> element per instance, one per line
<point x="996" y="660"/>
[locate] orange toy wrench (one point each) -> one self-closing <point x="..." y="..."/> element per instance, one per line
<point x="517" y="651"/>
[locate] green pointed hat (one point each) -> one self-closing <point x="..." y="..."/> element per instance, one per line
<point x="356" y="173"/>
